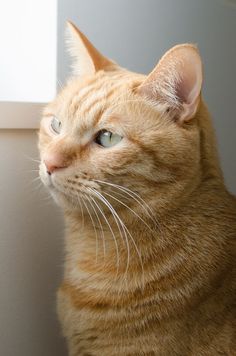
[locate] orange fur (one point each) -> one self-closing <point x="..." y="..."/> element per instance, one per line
<point x="162" y="283"/>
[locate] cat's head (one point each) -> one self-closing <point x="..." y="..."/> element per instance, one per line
<point x="111" y="131"/>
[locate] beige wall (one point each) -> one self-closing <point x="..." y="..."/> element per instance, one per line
<point x="30" y="253"/>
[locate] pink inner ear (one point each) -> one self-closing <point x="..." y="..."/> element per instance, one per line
<point x="190" y="79"/>
<point x="176" y="81"/>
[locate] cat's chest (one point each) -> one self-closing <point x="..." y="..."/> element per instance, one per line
<point x="92" y="327"/>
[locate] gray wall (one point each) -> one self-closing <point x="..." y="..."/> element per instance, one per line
<point x="31" y="245"/>
<point x="136" y="33"/>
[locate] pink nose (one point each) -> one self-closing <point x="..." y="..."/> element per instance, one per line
<point x="54" y="161"/>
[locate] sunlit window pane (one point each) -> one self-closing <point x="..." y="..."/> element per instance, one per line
<point x="28" y="50"/>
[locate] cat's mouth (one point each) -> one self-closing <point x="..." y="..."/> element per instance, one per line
<point x="69" y="188"/>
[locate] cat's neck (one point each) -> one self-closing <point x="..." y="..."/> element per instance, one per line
<point x="174" y="262"/>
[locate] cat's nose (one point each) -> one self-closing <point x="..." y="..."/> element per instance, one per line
<point x="54" y="162"/>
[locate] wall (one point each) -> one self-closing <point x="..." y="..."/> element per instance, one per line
<point x="31" y="245"/>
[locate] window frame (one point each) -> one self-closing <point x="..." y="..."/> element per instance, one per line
<point x="20" y="115"/>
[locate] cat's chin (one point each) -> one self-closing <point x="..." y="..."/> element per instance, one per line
<point x="65" y="202"/>
<point x="61" y="199"/>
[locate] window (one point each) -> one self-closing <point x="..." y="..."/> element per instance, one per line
<point x="28" y="32"/>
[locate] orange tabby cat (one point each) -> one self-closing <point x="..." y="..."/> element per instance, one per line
<point x="150" y="226"/>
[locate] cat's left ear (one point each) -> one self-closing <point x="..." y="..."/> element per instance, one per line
<point x="176" y="82"/>
<point x="87" y="59"/>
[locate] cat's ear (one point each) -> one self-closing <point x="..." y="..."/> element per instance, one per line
<point x="176" y="82"/>
<point x="87" y="59"/>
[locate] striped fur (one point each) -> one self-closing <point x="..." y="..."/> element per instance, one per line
<point x="160" y="280"/>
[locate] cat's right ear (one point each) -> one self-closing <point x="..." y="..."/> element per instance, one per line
<point x="87" y="60"/>
<point x="176" y="82"/>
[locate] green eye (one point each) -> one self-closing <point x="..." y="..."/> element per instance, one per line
<point x="107" y="139"/>
<point x="55" y="125"/>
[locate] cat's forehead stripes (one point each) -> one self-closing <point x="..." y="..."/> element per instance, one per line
<point x="86" y="106"/>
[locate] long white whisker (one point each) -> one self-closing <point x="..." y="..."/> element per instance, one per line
<point x="36" y="179"/>
<point x="32" y="159"/>
<point x="94" y="227"/>
<point x="74" y="202"/>
<point x="82" y="210"/>
<point x="127" y="230"/>
<point x="118" y="223"/>
<point x="38" y="186"/>
<point x="91" y="201"/>
<point x="110" y="228"/>
<point x="119" y="201"/>
<point x="32" y="170"/>
<point x="135" y="196"/>
<point x="59" y="83"/>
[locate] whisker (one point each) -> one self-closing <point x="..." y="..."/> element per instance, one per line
<point x="94" y="227"/>
<point x="78" y="200"/>
<point x="139" y="217"/>
<point x="118" y="223"/>
<point x="32" y="170"/>
<point x="38" y="186"/>
<point x="82" y="211"/>
<point x="32" y="182"/>
<point x="100" y="224"/>
<point x="74" y="201"/>
<point x="59" y="83"/>
<point x="135" y="246"/>
<point x="102" y="228"/>
<point x="125" y="227"/>
<point x="136" y="197"/>
<point x="32" y="159"/>
<point x="38" y="190"/>
<point x="36" y="179"/>
<point x="110" y="228"/>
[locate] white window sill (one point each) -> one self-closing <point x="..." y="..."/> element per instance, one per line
<point x="20" y="115"/>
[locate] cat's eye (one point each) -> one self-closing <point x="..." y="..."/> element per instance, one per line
<point x="107" y="138"/>
<point x="56" y="125"/>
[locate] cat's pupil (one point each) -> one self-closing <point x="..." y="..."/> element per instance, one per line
<point x="101" y="135"/>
